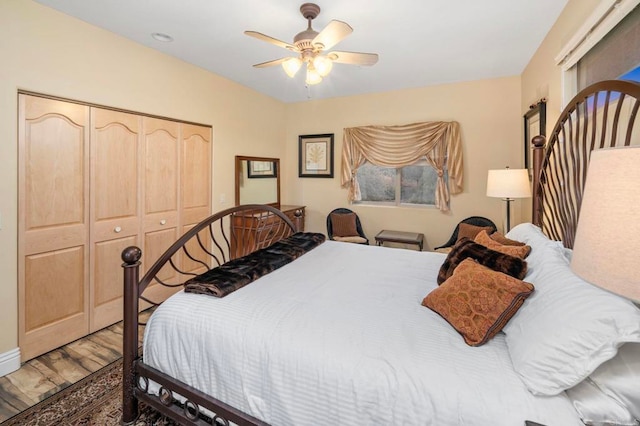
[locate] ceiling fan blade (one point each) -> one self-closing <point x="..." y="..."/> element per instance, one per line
<point x="271" y="40"/>
<point x="353" y="58"/>
<point x="270" y="63"/>
<point x="332" y="34"/>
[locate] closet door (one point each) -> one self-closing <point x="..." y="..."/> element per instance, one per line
<point x="115" y="208"/>
<point x="53" y="224"/>
<point x="195" y="201"/>
<point x="161" y="194"/>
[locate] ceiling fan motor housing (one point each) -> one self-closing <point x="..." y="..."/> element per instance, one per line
<point x="310" y="10"/>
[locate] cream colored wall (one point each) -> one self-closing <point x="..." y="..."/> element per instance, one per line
<point x="488" y="112"/>
<point x="542" y="78"/>
<point x="44" y="51"/>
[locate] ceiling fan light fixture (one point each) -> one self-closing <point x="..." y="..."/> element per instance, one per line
<point x="322" y="65"/>
<point x="291" y="66"/>
<point x="313" y="77"/>
<point x="313" y="48"/>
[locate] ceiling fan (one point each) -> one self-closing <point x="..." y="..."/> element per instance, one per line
<point x="312" y="48"/>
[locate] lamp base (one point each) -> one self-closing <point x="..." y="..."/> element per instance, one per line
<point x="508" y="200"/>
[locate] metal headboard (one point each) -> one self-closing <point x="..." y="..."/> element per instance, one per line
<point x="601" y="116"/>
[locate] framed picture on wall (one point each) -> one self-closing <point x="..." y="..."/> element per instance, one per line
<point x="315" y="156"/>
<point x="535" y="123"/>
<point x="261" y="169"/>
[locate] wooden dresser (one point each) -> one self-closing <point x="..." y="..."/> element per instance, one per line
<point x="253" y="231"/>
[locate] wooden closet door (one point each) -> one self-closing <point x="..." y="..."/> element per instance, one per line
<point x="161" y="195"/>
<point x="115" y="208"/>
<point x="53" y="224"/>
<point x="195" y="202"/>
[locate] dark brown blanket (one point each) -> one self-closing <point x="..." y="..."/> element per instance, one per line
<point x="239" y="272"/>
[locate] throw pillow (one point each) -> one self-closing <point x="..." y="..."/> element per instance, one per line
<point x="517" y="251"/>
<point x="354" y="239"/>
<point x="344" y="224"/>
<point x="498" y="237"/>
<point x="478" y="301"/>
<point x="492" y="259"/>
<point x="466" y="230"/>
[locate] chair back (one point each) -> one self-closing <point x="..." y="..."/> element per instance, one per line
<point x="472" y="220"/>
<point x="342" y="210"/>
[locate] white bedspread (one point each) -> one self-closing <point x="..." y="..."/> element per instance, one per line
<point x="339" y="337"/>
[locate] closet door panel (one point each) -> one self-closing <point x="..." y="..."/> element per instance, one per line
<point x="53" y="225"/>
<point x="115" y="207"/>
<point x="107" y="282"/>
<point x="196" y="192"/>
<point x="161" y="166"/>
<point x="156" y="242"/>
<point x="196" y="173"/>
<point x="197" y="253"/>
<point x="161" y="195"/>
<point x="54" y="287"/>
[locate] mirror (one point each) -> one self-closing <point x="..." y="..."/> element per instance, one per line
<point x="257" y="180"/>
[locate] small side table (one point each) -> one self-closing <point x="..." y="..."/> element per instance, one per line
<point x="400" y="237"/>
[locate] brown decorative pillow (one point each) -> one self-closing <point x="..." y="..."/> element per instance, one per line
<point x="477" y="301"/>
<point x="499" y="238"/>
<point x="492" y="259"/>
<point x="517" y="251"/>
<point x="469" y="231"/>
<point x="344" y="224"/>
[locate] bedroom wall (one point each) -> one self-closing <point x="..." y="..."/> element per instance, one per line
<point x="44" y="51"/>
<point x="542" y="78"/>
<point x="488" y="112"/>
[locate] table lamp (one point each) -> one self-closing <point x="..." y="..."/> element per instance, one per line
<point x="608" y="234"/>
<point x="508" y="184"/>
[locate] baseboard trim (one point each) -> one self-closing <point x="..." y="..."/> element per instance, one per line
<point x="9" y="361"/>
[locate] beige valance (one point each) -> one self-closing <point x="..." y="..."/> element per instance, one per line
<point x="437" y="142"/>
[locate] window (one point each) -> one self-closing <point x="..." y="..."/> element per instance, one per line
<point x="606" y="45"/>
<point x="414" y="184"/>
<point x="614" y="56"/>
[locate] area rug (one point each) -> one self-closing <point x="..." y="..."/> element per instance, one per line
<point x="95" y="400"/>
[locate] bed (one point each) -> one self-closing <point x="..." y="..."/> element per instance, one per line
<point x="339" y="335"/>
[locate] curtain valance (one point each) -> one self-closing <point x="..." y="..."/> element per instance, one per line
<point x="437" y="142"/>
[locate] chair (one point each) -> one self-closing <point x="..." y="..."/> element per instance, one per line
<point x="344" y="224"/>
<point x="473" y="220"/>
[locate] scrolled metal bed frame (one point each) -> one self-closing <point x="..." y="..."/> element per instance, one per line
<point x="602" y="115"/>
<point x="211" y="243"/>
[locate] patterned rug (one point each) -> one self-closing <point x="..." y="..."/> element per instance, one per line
<point x="95" y="400"/>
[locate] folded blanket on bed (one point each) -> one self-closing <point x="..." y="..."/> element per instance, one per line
<point x="239" y="272"/>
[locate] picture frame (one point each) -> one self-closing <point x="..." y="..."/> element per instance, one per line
<point x="261" y="169"/>
<point x="315" y="155"/>
<point x="535" y="123"/>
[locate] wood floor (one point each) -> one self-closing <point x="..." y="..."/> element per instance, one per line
<point x="47" y="374"/>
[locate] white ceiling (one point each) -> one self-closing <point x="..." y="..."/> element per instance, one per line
<point x="420" y="42"/>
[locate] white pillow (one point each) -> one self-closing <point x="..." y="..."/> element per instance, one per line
<point x="568" y="327"/>
<point x="619" y="377"/>
<point x="598" y="409"/>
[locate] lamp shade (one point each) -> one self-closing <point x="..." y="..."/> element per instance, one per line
<point x="508" y="183"/>
<point x="312" y="76"/>
<point x="291" y="66"/>
<point x="607" y="239"/>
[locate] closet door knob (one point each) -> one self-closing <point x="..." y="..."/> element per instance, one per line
<point x="117" y="229"/>
<point x="163" y="222"/>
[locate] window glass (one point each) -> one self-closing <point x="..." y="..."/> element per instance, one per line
<point x="418" y="184"/>
<point x="415" y="184"/>
<point x="377" y="183"/>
